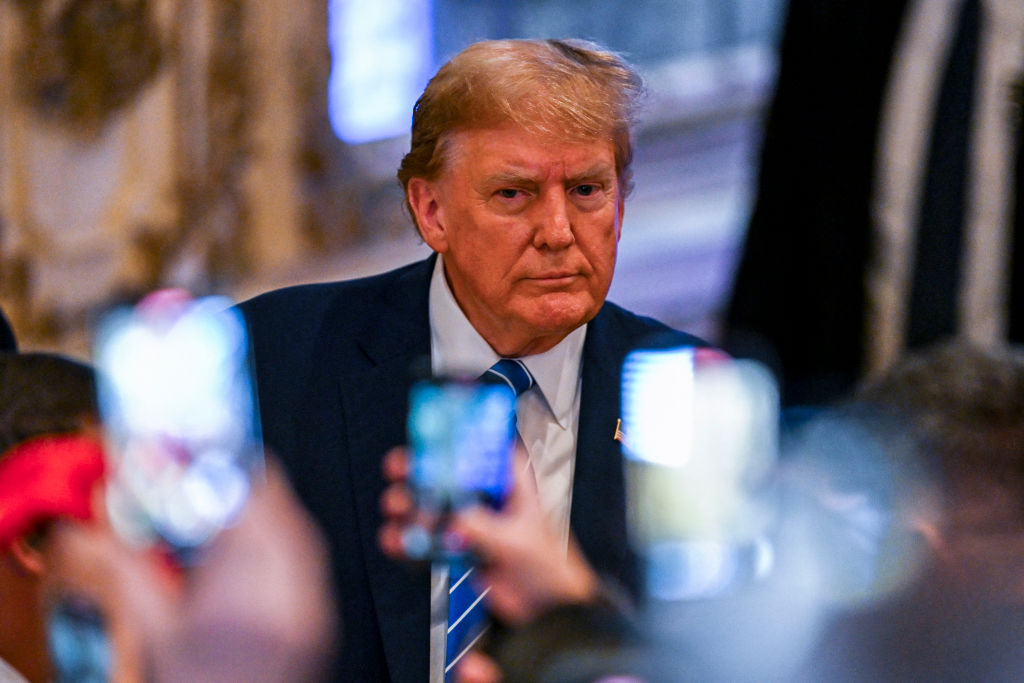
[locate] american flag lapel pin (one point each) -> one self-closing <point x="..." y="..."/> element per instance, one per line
<point x="620" y="436"/>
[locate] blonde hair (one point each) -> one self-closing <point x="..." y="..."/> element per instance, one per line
<point x="567" y="89"/>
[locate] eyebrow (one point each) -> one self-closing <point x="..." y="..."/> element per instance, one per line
<point x="510" y="178"/>
<point x="599" y="170"/>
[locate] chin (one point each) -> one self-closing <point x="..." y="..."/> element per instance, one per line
<point x="564" y="316"/>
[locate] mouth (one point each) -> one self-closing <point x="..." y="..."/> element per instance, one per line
<point x="556" y="274"/>
<point x="555" y="278"/>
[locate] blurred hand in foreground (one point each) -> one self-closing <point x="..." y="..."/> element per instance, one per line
<point x="520" y="556"/>
<point x="256" y="606"/>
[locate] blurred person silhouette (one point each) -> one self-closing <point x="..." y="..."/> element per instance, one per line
<point x="957" y="410"/>
<point x="898" y="547"/>
<point x="255" y="607"/>
<point x="889" y="206"/>
<point x="49" y="462"/>
<point x="517" y="175"/>
<point x="81" y="604"/>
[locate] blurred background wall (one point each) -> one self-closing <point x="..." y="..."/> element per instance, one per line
<point x="232" y="146"/>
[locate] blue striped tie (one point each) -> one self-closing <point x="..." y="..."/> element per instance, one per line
<point x="512" y="372"/>
<point x="467" y="616"/>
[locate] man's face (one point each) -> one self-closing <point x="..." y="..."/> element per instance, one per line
<point x="529" y="229"/>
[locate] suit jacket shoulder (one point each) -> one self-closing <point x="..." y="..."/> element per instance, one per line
<point x="7" y="342"/>
<point x="287" y="320"/>
<point x="294" y="331"/>
<point x="598" y="516"/>
<point x="333" y="368"/>
<point x="624" y="331"/>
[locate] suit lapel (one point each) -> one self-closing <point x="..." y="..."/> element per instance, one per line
<point x="598" y="516"/>
<point x="374" y="400"/>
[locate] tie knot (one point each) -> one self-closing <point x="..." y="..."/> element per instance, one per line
<point x="512" y="372"/>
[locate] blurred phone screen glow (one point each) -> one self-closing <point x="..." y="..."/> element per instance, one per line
<point x="700" y="440"/>
<point x="179" y="414"/>
<point x="461" y="437"/>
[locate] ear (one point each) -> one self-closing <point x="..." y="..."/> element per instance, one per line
<point x="27" y="557"/>
<point x="425" y="202"/>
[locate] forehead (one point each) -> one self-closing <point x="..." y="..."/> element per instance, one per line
<point x="510" y="149"/>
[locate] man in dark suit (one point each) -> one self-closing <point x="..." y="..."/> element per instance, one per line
<point x="517" y="175"/>
<point x="889" y="207"/>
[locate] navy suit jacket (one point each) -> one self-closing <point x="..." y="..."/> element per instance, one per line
<point x="334" y="365"/>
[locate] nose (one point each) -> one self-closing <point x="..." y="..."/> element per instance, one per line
<point x="554" y="224"/>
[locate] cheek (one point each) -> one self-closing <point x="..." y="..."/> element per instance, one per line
<point x="501" y="251"/>
<point x="486" y="266"/>
<point x="601" y="248"/>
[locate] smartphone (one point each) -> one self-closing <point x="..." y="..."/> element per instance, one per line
<point x="462" y="436"/>
<point x="179" y="416"/>
<point x="78" y="639"/>
<point x="700" y="439"/>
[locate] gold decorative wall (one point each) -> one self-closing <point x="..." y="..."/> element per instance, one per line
<point x="149" y="143"/>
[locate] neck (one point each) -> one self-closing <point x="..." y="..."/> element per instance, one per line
<point x="22" y="631"/>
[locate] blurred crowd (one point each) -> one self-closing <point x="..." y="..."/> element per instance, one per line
<point x="849" y="509"/>
<point x="893" y="551"/>
<point x="81" y="603"/>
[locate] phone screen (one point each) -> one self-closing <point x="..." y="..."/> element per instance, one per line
<point x="461" y="435"/>
<point x="700" y="442"/>
<point x="78" y="639"/>
<point x="179" y="414"/>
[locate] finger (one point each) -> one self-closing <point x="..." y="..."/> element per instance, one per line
<point x="479" y="530"/>
<point x="396" y="503"/>
<point x="476" y="667"/>
<point x="395" y="464"/>
<point x="390" y="540"/>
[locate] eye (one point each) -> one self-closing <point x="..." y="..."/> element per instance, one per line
<point x="510" y="200"/>
<point x="586" y="189"/>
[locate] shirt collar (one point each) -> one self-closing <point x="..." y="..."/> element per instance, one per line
<point x="457" y="348"/>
